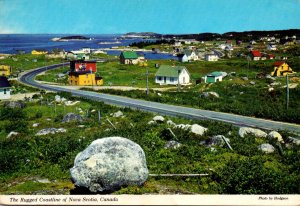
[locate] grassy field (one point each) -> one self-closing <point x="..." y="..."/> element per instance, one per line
<point x="26" y="158"/>
<point x="27" y="61"/>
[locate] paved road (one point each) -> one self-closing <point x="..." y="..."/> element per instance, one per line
<point x="28" y="78"/>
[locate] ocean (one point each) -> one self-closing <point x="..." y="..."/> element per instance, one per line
<point x="11" y="43"/>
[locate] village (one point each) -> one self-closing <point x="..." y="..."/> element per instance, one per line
<point x="258" y="79"/>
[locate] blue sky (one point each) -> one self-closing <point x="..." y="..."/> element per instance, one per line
<point x="161" y="16"/>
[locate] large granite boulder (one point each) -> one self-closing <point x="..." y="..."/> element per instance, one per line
<point x="72" y="117"/>
<point x="197" y="129"/>
<point x="243" y="131"/>
<point x="158" y="119"/>
<point x="266" y="148"/>
<point x="108" y="164"/>
<point x="275" y="135"/>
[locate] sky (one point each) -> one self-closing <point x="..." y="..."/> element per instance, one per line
<point x="160" y="16"/>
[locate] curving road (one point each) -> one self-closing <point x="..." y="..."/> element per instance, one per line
<point x="28" y="78"/>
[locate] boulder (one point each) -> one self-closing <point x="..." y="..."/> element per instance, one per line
<point x="266" y="148"/>
<point x="243" y="131"/>
<point x="50" y="131"/>
<point x="158" y="119"/>
<point x="15" y="104"/>
<point x="108" y="164"/>
<point x="216" y="140"/>
<point x="118" y="114"/>
<point x="209" y="95"/>
<point x="197" y="129"/>
<point x="72" y="117"/>
<point x="293" y="140"/>
<point x="275" y="135"/>
<point x="172" y="145"/>
<point x="12" y="134"/>
<point x="57" y="98"/>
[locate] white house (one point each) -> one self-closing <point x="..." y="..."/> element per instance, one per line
<point x="188" y="56"/>
<point x="272" y="47"/>
<point x="167" y="74"/>
<point x="211" y="57"/>
<point x="4" y="88"/>
<point x="177" y="43"/>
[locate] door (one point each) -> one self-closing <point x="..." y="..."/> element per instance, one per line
<point x="165" y="79"/>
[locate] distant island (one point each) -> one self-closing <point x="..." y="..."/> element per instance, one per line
<point x="143" y="35"/>
<point x="71" y="38"/>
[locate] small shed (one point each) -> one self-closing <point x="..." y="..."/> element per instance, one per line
<point x="214" y="77"/>
<point x="4" y="88"/>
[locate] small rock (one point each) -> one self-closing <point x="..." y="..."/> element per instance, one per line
<point x="275" y="135"/>
<point x="245" y="78"/>
<point x="93" y="111"/>
<point x="170" y="123"/>
<point x="158" y="119"/>
<point x="271" y="89"/>
<point x="197" y="129"/>
<point x="12" y="134"/>
<point x="266" y="148"/>
<point x="81" y="126"/>
<point x="252" y="82"/>
<point x="57" y="98"/>
<point x="243" y="131"/>
<point x="70" y="103"/>
<point x="108" y="164"/>
<point x="35" y="124"/>
<point x="50" y="131"/>
<point x="209" y="95"/>
<point x="45" y="181"/>
<point x="48" y="119"/>
<point x="159" y="94"/>
<point x="151" y="122"/>
<point x="241" y="93"/>
<point x="172" y="145"/>
<point x="182" y="126"/>
<point x="216" y="140"/>
<point x="275" y="84"/>
<point x="72" y="117"/>
<point x="118" y="114"/>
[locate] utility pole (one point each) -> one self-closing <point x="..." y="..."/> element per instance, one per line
<point x="287" y="91"/>
<point x="147" y="82"/>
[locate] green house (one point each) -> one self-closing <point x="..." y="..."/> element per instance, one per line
<point x="214" y="77"/>
<point x="129" y="57"/>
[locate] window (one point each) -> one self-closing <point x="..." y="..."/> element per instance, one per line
<point x="171" y="79"/>
<point x="159" y="78"/>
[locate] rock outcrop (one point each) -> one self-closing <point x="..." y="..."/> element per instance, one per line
<point x="108" y="164"/>
<point x="72" y="117"/>
<point x="243" y="131"/>
<point x="266" y="148"/>
<point x="197" y="129"/>
<point x="50" y="131"/>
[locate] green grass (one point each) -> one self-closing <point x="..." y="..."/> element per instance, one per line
<point x="52" y="156"/>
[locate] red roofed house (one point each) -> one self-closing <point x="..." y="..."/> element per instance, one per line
<point x="281" y="69"/>
<point x="256" y="55"/>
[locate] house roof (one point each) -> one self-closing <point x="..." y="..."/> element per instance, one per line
<point x="216" y="74"/>
<point x="4" y="82"/>
<point x="129" y="55"/>
<point x="256" y="53"/>
<point x="278" y="63"/>
<point x="169" y="71"/>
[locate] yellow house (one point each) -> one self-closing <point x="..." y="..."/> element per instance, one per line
<point x="5" y="70"/>
<point x="84" y="79"/>
<point x="38" y="52"/>
<point x="281" y="69"/>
